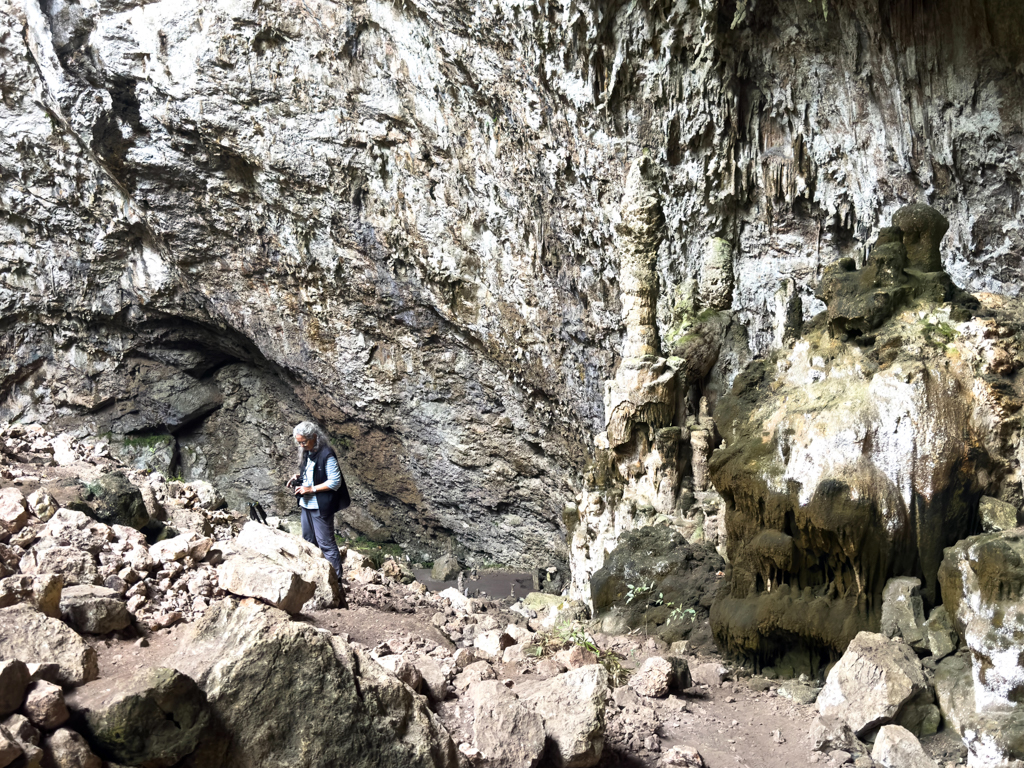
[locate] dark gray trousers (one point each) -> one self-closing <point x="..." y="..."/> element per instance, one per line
<point x="317" y="529"/>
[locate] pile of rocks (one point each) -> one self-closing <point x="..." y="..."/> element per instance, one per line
<point x="32" y="715"/>
<point x="518" y="680"/>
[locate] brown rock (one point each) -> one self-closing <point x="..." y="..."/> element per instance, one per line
<point x="41" y="591"/>
<point x="507" y="733"/>
<point x="45" y="705"/>
<point x="14" y="679"/>
<point x="67" y="749"/>
<point x="25" y="633"/>
<point x="654" y="678"/>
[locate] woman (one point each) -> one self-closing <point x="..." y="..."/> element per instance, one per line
<point x="320" y="490"/>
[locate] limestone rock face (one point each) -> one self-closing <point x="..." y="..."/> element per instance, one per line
<point x="982" y="579"/>
<point x="851" y="462"/>
<point x="993" y="739"/>
<point x="384" y="213"/>
<point x="290" y="695"/>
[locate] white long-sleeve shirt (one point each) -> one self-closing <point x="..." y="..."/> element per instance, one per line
<point x="333" y="480"/>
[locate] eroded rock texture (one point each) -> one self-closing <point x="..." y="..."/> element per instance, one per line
<point x="860" y="454"/>
<point x="406" y="215"/>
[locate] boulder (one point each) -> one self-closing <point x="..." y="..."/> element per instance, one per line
<point x="153" y="720"/>
<point x="14" y="679"/>
<point x="653" y="679"/>
<point x="172" y="549"/>
<point x="573" y="708"/>
<point x="295" y="554"/>
<point x="402" y="669"/>
<point x="42" y="505"/>
<point x="45" y="705"/>
<point x="997" y="515"/>
<point x="982" y="580"/>
<point x="896" y="747"/>
<point x="94" y="610"/>
<point x="872" y="683"/>
<point x="73" y="528"/>
<point x="445" y="568"/>
<point x="21" y="729"/>
<point x="76" y="566"/>
<point x="681" y="756"/>
<point x="506" y="732"/>
<point x="209" y="497"/>
<point x="903" y="611"/>
<point x="13" y="515"/>
<point x="291" y="695"/>
<point x="42" y="591"/>
<point x="652" y="572"/>
<point x="829" y="733"/>
<point x="30" y="635"/>
<point x="118" y="502"/>
<point x="435" y="682"/>
<point x="10" y="749"/>
<point x="65" y="748"/>
<point x="9" y="561"/>
<point x="492" y="642"/>
<point x="942" y="639"/>
<point x="473" y="673"/>
<point x="993" y="739"/>
<point x="711" y="673"/>
<point x="258" y="577"/>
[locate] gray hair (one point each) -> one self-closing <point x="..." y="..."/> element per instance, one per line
<point x="308" y="429"/>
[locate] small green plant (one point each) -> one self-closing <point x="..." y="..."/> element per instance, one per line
<point x="938" y="334"/>
<point x="678" y="613"/>
<point x="569" y="634"/>
<point x="151" y="442"/>
<point x="636" y="591"/>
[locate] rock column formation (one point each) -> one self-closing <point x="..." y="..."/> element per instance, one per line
<point x="637" y="476"/>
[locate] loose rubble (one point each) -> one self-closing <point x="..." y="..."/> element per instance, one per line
<point x="485" y="682"/>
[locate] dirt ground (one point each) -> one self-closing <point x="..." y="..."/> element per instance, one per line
<point x="744" y="723"/>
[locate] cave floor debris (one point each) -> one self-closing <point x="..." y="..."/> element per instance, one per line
<point x="744" y="723"/>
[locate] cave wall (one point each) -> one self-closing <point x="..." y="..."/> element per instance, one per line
<point x="407" y="213"/>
